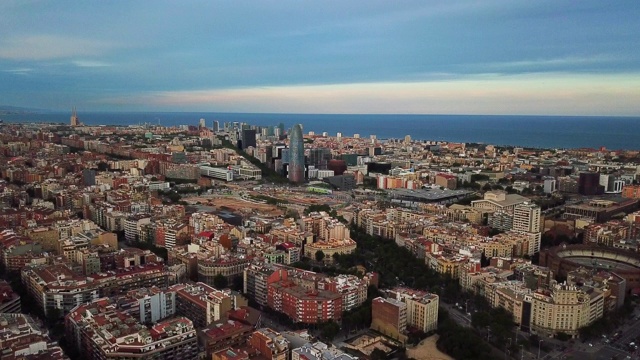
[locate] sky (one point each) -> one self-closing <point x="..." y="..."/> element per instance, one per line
<point x="542" y="57"/>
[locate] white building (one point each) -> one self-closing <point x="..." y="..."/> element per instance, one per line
<point x="526" y="219"/>
<point x="217" y="173"/>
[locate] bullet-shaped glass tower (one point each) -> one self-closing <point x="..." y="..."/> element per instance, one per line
<point x="296" y="155"/>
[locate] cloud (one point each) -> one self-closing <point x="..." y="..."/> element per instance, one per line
<point x="539" y="94"/>
<point x="47" y="47"/>
<point x="19" y="71"/>
<point x="90" y="63"/>
<point x="556" y="62"/>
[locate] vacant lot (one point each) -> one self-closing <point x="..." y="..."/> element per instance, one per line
<point x="236" y="204"/>
<point x="427" y="350"/>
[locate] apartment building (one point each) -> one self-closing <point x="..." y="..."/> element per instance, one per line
<point x="223" y="334"/>
<point x="270" y="344"/>
<point x="21" y="338"/>
<point x="148" y="305"/>
<point x="563" y="308"/>
<point x="9" y="300"/>
<point x="499" y="200"/>
<point x="58" y="287"/>
<point x="422" y="307"/>
<point x="389" y="317"/>
<point x="98" y="330"/>
<point x="329" y="248"/>
<point x="319" y="351"/>
<point x="201" y="303"/>
<point x="227" y="265"/>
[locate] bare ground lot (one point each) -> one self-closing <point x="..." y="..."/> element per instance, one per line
<point x="427" y="350"/>
<point x="236" y="204"/>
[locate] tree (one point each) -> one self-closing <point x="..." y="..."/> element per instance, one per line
<point x="237" y="283"/>
<point x="319" y="256"/>
<point x="330" y="330"/>
<point x="103" y="166"/>
<point x="378" y="354"/>
<point x="220" y="282"/>
<point x="480" y="319"/>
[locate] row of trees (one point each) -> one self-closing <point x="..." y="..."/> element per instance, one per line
<point x="459" y="342"/>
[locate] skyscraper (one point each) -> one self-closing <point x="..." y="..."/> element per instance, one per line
<point x="589" y="184"/>
<point x="74" y="117"/>
<point x="216" y="126"/>
<point x="296" y="161"/>
<point x="202" y="124"/>
<point x="248" y="138"/>
<point x="526" y="220"/>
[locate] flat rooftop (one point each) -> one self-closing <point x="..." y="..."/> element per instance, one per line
<point x="428" y="195"/>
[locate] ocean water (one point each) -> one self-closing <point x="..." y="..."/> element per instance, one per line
<point x="528" y="131"/>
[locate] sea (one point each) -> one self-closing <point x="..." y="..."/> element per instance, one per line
<point x="551" y="132"/>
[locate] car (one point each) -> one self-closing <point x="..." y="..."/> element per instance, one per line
<point x="590" y="344"/>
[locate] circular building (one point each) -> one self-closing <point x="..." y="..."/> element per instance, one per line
<point x="338" y="166"/>
<point x="565" y="258"/>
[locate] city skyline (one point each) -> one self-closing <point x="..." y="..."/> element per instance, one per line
<point x="493" y="57"/>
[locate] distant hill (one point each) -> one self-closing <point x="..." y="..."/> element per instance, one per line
<point x="6" y="110"/>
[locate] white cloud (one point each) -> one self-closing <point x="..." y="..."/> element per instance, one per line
<point x="554" y="62"/>
<point x="19" y="71"/>
<point x="46" y="47"/>
<point x="533" y="94"/>
<point x="90" y="63"/>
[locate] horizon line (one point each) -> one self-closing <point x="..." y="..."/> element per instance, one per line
<point x="44" y="111"/>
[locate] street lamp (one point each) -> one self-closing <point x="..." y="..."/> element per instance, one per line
<point x="539" y="342"/>
<point x="521" y="352"/>
<point x="506" y="350"/>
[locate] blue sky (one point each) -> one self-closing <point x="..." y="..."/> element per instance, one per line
<point x="451" y="57"/>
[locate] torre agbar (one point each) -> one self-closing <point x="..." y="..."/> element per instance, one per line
<point x="296" y="162"/>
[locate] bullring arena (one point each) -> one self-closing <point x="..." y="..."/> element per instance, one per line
<point x="565" y="258"/>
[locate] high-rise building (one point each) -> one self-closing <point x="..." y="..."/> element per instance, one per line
<point x="550" y="185"/>
<point x="74" y="117"/>
<point x="202" y="124"/>
<point x="589" y="184"/>
<point x="248" y="138"/>
<point x="526" y="217"/>
<point x="526" y="220"/>
<point x="319" y="157"/>
<point x="296" y="160"/>
<point x="88" y="177"/>
<point x="216" y="126"/>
